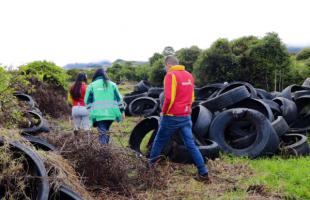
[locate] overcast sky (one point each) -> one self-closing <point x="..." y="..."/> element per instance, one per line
<point x="66" y="31"/>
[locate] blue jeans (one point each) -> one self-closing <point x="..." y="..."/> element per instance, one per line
<point x="103" y="127"/>
<point x="169" y="125"/>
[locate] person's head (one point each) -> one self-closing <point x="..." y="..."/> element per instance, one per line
<point x="75" y="90"/>
<point x="170" y="61"/>
<point x="101" y="73"/>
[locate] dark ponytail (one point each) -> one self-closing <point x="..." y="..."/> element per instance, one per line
<point x="101" y="73"/>
<point x="75" y="90"/>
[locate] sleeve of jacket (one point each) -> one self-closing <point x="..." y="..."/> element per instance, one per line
<point x="169" y="92"/>
<point x="119" y="98"/>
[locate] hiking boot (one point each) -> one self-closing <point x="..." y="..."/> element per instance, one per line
<point x="203" y="178"/>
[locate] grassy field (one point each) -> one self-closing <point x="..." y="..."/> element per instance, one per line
<point x="232" y="177"/>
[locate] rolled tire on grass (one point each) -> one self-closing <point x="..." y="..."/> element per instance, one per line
<point x="263" y="94"/>
<point x="143" y="106"/>
<point x="201" y="118"/>
<point x="36" y="165"/>
<point x="154" y="92"/>
<point x="39" y="143"/>
<point x="236" y="84"/>
<point x="128" y="98"/>
<point x="280" y="126"/>
<point x="34" y="127"/>
<point x="295" y="145"/>
<point x="65" y="193"/>
<point x="302" y="123"/>
<point x="288" y="109"/>
<point x="147" y="126"/>
<point x="142" y="86"/>
<point x="265" y="143"/>
<point x="180" y="154"/>
<point x="289" y="91"/>
<point x="255" y="104"/>
<point x="227" y="99"/>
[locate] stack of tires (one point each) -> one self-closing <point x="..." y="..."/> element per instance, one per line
<point x="143" y="101"/>
<point x="240" y="120"/>
<point x="35" y="122"/>
<point x="39" y="188"/>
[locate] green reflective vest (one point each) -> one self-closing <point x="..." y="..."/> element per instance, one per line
<point x="103" y="101"/>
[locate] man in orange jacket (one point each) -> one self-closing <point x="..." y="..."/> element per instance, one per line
<point x="176" y="114"/>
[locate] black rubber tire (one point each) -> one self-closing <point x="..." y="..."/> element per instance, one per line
<point x="37" y="127"/>
<point x="263" y="94"/>
<point x="302" y="123"/>
<point x="275" y="94"/>
<point x="65" y="193"/>
<point x="142" y="86"/>
<point x="255" y="104"/>
<point x="266" y="142"/>
<point x="180" y="154"/>
<point x="289" y="91"/>
<point x="236" y="84"/>
<point x="205" y="92"/>
<point x="201" y="118"/>
<point x="288" y="109"/>
<point x="227" y="99"/>
<point x="140" y="131"/>
<point x="280" y="126"/>
<point x="40" y="172"/>
<point x="295" y="145"/>
<point x="301" y="94"/>
<point x="25" y="97"/>
<point x="275" y="108"/>
<point x="306" y="83"/>
<point x="161" y="100"/>
<point x="154" y="92"/>
<point x="128" y="98"/>
<point x="39" y="143"/>
<point x="243" y="142"/>
<point x="143" y="106"/>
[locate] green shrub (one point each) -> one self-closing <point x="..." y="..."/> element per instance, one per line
<point x="303" y="54"/>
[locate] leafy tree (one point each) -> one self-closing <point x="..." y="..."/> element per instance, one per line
<point x="303" y="54"/>
<point x="142" y="72"/>
<point x="216" y="64"/>
<point x="157" y="73"/>
<point x="46" y="72"/>
<point x="188" y="56"/>
<point x="155" y="57"/>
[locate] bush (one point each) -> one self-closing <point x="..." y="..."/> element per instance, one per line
<point x="303" y="54"/>
<point x="157" y="73"/>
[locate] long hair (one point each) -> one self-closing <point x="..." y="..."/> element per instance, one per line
<point x="101" y="73"/>
<point x="75" y="90"/>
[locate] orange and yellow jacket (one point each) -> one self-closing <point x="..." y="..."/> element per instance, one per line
<point x="178" y="92"/>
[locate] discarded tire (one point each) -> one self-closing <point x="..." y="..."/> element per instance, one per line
<point x="288" y="109"/>
<point x="302" y="124"/>
<point x="148" y="125"/>
<point x="275" y="108"/>
<point x="180" y="154"/>
<point x="36" y="126"/>
<point x="255" y="104"/>
<point x="25" y="97"/>
<point x="39" y="143"/>
<point x="205" y="92"/>
<point x="154" y="92"/>
<point x="145" y="106"/>
<point x="294" y="144"/>
<point x="227" y="99"/>
<point x="289" y="92"/>
<point x="301" y="94"/>
<point x="265" y="143"/>
<point x="34" y="161"/>
<point x="280" y="126"/>
<point x="201" y="118"/>
<point x="263" y="94"/>
<point x="233" y="85"/>
<point x="142" y="86"/>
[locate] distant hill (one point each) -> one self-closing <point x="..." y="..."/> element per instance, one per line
<point x="295" y="49"/>
<point x="103" y="63"/>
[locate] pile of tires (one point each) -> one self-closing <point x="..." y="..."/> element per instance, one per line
<point x="241" y="120"/>
<point x="35" y="122"/>
<point x="40" y="188"/>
